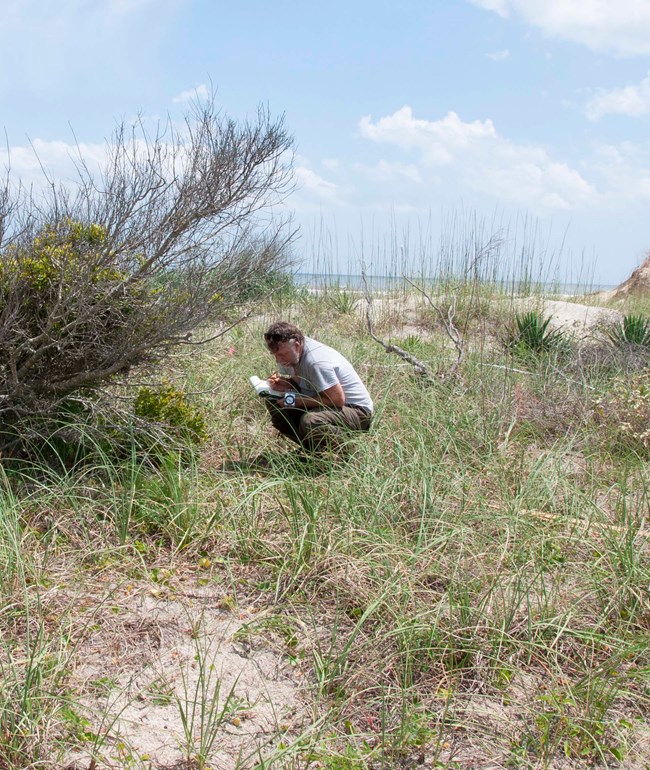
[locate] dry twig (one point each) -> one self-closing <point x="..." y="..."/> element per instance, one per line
<point x="419" y="366"/>
<point x="447" y="322"/>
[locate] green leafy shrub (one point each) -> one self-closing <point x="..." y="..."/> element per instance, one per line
<point x="65" y="301"/>
<point x="103" y="277"/>
<point x="171" y="407"/>
<point x="277" y="284"/>
<point x="530" y="333"/>
<point x="62" y="257"/>
<point x="634" y="329"/>
<point x="624" y="412"/>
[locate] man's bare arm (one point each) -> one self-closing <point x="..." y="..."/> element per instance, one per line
<point x="333" y="396"/>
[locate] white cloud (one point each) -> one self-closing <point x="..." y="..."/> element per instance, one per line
<point x="385" y="171"/>
<point x="630" y="100"/>
<point x="56" y="158"/>
<point x="312" y="191"/>
<point x="498" y="6"/>
<point x="475" y="155"/>
<point x="58" y="161"/>
<point x="499" y="55"/>
<point x="625" y="171"/>
<point x="438" y="141"/>
<point x="199" y="92"/>
<point x="618" y="26"/>
<point x="331" y="164"/>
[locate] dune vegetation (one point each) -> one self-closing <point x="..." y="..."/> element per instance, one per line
<point x="464" y="586"/>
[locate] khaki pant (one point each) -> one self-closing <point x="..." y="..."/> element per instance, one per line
<point x="319" y="428"/>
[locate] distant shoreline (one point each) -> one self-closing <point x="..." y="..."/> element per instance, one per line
<point x="384" y="282"/>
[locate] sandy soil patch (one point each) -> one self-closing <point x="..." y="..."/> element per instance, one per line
<point x="407" y="313"/>
<point x="574" y="317"/>
<point x="159" y="653"/>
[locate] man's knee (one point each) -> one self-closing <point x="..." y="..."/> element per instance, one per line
<point x="284" y="420"/>
<point x="317" y="430"/>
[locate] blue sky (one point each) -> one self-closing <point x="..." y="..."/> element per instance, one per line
<point x="406" y="114"/>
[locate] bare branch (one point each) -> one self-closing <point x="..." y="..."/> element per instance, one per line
<point x="419" y="366"/>
<point x="447" y="320"/>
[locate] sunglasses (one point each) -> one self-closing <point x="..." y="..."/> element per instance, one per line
<point x="275" y="337"/>
<point x="273" y="340"/>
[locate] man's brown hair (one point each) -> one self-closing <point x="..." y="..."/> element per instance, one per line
<point x="282" y="332"/>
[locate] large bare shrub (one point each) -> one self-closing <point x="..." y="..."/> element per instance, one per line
<point x="173" y="233"/>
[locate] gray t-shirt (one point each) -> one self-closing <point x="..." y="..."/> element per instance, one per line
<point x="320" y="367"/>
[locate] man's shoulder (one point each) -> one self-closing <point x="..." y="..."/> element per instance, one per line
<point x="316" y="352"/>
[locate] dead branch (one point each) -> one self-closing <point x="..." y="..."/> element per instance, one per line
<point x="419" y="366"/>
<point x="447" y="322"/>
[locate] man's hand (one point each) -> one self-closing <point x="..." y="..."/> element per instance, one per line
<point x="279" y="383"/>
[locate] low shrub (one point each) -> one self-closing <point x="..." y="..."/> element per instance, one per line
<point x="170" y="407"/>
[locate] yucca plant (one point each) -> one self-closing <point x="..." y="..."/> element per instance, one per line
<point x="344" y="302"/>
<point x="530" y="333"/>
<point x="634" y="329"/>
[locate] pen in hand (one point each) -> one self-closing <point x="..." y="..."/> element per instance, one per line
<point x="280" y="382"/>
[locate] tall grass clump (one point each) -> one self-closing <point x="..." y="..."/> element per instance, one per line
<point x="33" y="667"/>
<point x="32" y="698"/>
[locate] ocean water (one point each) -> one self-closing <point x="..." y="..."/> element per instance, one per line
<point x="321" y="281"/>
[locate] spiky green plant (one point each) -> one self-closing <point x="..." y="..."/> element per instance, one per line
<point x="530" y="333"/>
<point x="634" y="329"/>
<point x="343" y="301"/>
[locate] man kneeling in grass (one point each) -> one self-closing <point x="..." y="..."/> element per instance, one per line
<point x="330" y="399"/>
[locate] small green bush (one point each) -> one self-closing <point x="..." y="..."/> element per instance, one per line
<point x="277" y="284"/>
<point x="60" y="259"/>
<point x="171" y="407"/>
<point x="634" y="329"/>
